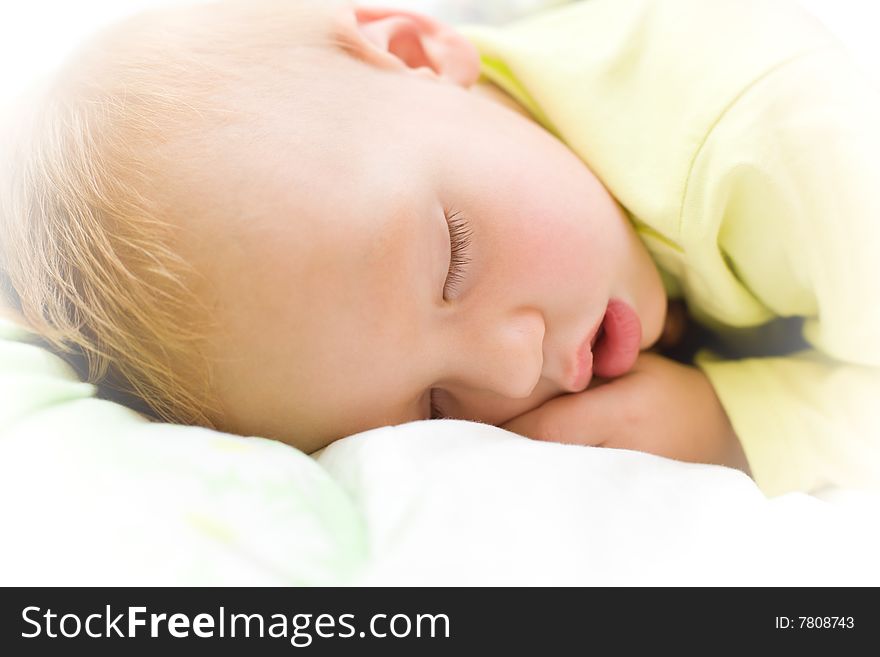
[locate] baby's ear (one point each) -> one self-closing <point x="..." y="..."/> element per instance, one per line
<point x="403" y="40"/>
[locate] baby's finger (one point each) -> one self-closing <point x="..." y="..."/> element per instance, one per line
<point x="592" y="417"/>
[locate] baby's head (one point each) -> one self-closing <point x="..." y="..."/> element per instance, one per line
<point x="247" y="213"/>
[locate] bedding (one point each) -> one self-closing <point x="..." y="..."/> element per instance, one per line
<point x="93" y="493"/>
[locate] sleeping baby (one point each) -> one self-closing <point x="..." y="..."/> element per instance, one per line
<point x="301" y="220"/>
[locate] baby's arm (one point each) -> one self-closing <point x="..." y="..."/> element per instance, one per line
<point x="660" y="406"/>
<point x="805" y="420"/>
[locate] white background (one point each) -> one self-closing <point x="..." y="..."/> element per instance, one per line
<point x="35" y="35"/>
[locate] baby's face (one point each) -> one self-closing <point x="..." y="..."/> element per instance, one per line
<point x="328" y="264"/>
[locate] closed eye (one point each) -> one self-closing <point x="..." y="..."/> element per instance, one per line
<point x="459" y="240"/>
<point x="436" y="412"/>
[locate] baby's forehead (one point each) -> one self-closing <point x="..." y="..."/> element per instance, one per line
<point x="269" y="186"/>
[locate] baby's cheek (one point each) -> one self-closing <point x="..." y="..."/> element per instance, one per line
<point x="557" y="253"/>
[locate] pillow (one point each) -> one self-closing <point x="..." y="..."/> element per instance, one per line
<point x="96" y="494"/>
<point x="454" y="502"/>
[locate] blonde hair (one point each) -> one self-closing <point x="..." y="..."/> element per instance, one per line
<point x="87" y="242"/>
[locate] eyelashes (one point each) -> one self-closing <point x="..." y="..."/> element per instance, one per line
<point x="436" y="413"/>
<point x="460" y="236"/>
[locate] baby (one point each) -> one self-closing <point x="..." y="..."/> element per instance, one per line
<point x="301" y="220"/>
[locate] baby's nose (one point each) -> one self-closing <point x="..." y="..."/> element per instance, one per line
<point x="507" y="358"/>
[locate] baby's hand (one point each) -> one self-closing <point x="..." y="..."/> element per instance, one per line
<point x="660" y="406"/>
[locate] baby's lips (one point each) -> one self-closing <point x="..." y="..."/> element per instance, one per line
<point x="618" y="349"/>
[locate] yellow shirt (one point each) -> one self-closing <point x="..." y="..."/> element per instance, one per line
<point x="744" y="145"/>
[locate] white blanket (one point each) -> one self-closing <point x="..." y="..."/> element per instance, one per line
<point x="453" y="502"/>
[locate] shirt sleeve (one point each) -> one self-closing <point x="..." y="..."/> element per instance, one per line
<point x="790" y="175"/>
<point x="805" y="421"/>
